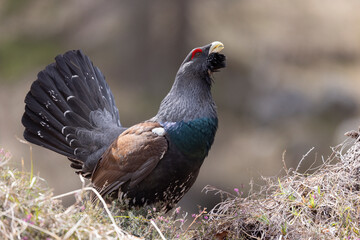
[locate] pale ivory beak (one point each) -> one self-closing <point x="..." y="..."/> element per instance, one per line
<point x="216" y="47"/>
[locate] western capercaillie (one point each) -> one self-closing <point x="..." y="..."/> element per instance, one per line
<point x="71" y="110"/>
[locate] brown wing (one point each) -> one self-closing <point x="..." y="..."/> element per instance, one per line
<point x="131" y="157"/>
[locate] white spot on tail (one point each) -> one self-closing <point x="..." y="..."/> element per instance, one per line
<point x="159" y="131"/>
<point x="66" y="112"/>
<point x="63" y="129"/>
<point x="47" y="104"/>
<point x="53" y="95"/>
<point x="69" y="97"/>
<point x="39" y="134"/>
<point x="42" y="123"/>
<point x="67" y="135"/>
<point x="72" y="140"/>
<point x="43" y="116"/>
<point x="74" y="76"/>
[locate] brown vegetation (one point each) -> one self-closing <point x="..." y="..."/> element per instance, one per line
<point x="323" y="204"/>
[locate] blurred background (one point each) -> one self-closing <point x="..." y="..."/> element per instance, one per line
<point x="291" y="82"/>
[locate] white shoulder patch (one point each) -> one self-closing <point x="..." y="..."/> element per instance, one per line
<point x="159" y="131"/>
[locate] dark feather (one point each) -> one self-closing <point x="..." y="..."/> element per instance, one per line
<point x="71" y="110"/>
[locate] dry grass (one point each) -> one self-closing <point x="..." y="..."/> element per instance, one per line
<point x="28" y="210"/>
<point x="323" y="204"/>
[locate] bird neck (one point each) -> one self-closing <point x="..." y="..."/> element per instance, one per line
<point x="188" y="114"/>
<point x="189" y="98"/>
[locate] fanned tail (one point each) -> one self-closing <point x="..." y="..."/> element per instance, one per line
<point x="70" y="110"/>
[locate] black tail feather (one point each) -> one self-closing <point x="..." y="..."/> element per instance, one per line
<point x="71" y="110"/>
<point x="50" y="114"/>
<point x="30" y="122"/>
<point x="78" y="106"/>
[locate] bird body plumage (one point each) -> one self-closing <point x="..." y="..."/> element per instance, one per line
<point x="71" y="110"/>
<point x="193" y="138"/>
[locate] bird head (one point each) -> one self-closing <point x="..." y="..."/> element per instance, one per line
<point x="204" y="60"/>
<point x="190" y="96"/>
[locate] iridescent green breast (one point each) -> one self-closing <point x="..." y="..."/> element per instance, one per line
<point x="193" y="138"/>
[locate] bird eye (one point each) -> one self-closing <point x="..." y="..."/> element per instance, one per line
<point x="197" y="52"/>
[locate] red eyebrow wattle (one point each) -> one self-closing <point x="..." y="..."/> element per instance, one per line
<point x="194" y="52"/>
